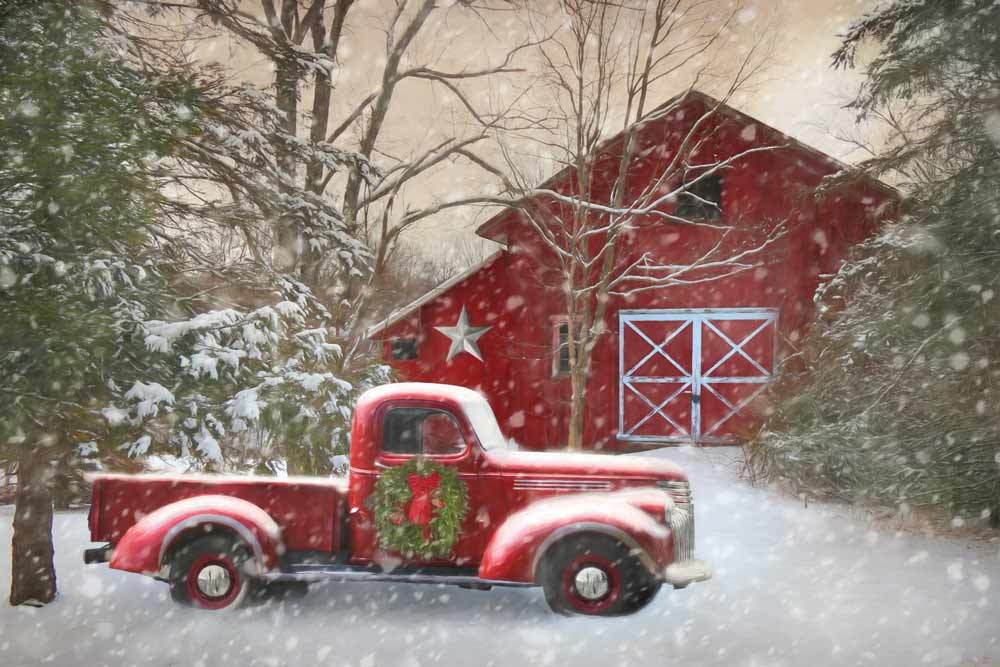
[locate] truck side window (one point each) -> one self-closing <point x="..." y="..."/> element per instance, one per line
<point x="413" y="431"/>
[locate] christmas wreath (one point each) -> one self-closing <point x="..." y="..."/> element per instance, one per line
<point x="419" y="507"/>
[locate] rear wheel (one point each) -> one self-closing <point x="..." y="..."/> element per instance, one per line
<point x="595" y="575"/>
<point x="210" y="573"/>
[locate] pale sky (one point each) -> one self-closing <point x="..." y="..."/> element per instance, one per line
<point x="799" y="94"/>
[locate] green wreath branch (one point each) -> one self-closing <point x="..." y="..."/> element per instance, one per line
<point x="389" y="501"/>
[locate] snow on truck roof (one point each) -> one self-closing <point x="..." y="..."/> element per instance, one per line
<point x="408" y="389"/>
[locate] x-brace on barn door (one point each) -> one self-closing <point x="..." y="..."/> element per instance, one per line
<point x="688" y="375"/>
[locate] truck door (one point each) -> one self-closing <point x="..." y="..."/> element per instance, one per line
<point x="404" y="430"/>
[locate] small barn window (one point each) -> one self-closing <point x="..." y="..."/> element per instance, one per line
<point x="702" y="199"/>
<point x="404" y="349"/>
<point x="560" y="356"/>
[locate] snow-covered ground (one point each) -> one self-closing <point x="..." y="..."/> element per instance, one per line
<point x="793" y="586"/>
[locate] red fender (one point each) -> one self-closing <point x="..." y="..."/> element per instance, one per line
<point x="144" y="545"/>
<point x="518" y="546"/>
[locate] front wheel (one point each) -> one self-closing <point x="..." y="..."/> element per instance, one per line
<point x="209" y="573"/>
<point x="595" y="575"/>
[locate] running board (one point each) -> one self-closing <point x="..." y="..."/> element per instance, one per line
<point x="316" y="574"/>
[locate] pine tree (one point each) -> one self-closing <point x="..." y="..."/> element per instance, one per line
<point x="104" y="352"/>
<point x="77" y="129"/>
<point x="895" y="401"/>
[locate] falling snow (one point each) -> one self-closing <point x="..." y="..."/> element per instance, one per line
<point x="245" y="367"/>
<point x="793" y="585"/>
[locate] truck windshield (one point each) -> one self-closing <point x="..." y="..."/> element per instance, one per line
<point x="484" y="423"/>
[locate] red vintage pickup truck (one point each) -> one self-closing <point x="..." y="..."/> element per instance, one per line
<point x="434" y="495"/>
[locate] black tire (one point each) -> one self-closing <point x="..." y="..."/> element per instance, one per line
<point x="642" y="595"/>
<point x="630" y="586"/>
<point x="228" y="556"/>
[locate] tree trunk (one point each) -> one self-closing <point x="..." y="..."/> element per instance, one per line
<point x="296" y="462"/>
<point x="578" y="384"/>
<point x="321" y="96"/>
<point x="33" y="573"/>
<point x="63" y="482"/>
<point x="315" y="171"/>
<point x="288" y="241"/>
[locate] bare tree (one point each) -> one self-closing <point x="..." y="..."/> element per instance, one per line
<point x="326" y="193"/>
<point x="610" y="57"/>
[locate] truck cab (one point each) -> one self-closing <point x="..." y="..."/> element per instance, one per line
<point x="600" y="534"/>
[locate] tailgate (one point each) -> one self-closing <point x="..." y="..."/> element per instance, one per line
<point x="94" y="515"/>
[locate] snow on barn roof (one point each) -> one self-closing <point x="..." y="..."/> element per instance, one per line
<point x="487" y="229"/>
<point x="402" y="313"/>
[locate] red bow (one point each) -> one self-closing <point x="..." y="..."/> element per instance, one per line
<point x="421" y="508"/>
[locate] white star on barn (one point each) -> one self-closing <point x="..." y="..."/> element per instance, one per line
<point x="463" y="337"/>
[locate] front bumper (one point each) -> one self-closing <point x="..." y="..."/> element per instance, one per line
<point x="685" y="568"/>
<point x="681" y="573"/>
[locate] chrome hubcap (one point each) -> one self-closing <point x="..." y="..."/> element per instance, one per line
<point x="592" y="583"/>
<point x="214" y="581"/>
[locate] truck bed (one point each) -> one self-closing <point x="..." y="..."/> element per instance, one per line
<point x="308" y="510"/>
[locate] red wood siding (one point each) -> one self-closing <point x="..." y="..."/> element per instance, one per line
<point x="518" y="295"/>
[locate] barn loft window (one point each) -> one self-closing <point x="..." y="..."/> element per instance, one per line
<point x="702" y="200"/>
<point x="560" y="356"/>
<point x="404" y="349"/>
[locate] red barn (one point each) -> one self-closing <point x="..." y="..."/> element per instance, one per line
<point x="677" y="365"/>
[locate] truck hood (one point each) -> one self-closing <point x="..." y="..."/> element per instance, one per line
<point x="585" y="465"/>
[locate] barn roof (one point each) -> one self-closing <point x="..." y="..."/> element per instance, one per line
<point x="401" y="313"/>
<point x="488" y="229"/>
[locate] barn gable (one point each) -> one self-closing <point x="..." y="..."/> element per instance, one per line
<point x="680" y="365"/>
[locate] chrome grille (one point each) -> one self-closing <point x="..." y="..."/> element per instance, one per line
<point x="565" y="484"/>
<point x="679" y="491"/>
<point x="681" y="519"/>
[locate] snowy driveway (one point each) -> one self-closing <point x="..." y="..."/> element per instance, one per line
<point x="793" y="586"/>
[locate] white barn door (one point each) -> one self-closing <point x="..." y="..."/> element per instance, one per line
<point x="688" y="375"/>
